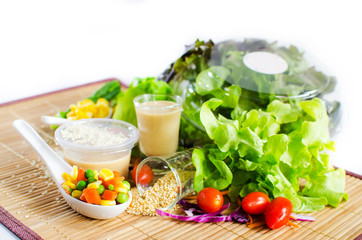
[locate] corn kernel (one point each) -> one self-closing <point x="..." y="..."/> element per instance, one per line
<point x="66" y="177"/>
<point x="65" y="187"/>
<point x="76" y="193"/>
<point x="86" y="102"/>
<point x="102" y="102"/>
<point x="108" y="202"/>
<point x="74" y="173"/>
<point x="106" y="174"/>
<point x="122" y="185"/>
<point x="70" y="184"/>
<point x="81" y="114"/>
<point x="121" y="189"/>
<point x="102" y="112"/>
<point x="72" y="107"/>
<point x="96" y="174"/>
<point x="94" y="184"/>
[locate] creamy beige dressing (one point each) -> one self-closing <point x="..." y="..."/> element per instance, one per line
<point x="159" y="125"/>
<point x="120" y="164"/>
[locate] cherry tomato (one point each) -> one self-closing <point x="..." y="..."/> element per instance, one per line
<point x="255" y="203"/>
<point x="145" y="175"/>
<point x="278" y="212"/>
<point x="210" y="200"/>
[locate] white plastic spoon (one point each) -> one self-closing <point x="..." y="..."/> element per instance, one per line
<point x="57" y="121"/>
<point x="56" y="165"/>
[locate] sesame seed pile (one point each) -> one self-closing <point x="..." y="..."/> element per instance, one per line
<point x="162" y="194"/>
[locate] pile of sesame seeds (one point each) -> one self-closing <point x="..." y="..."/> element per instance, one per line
<point x="161" y="195"/>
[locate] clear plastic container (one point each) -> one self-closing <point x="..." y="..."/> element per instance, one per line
<point x="264" y="70"/>
<point x="98" y="143"/>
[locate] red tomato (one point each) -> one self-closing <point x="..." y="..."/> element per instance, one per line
<point x="145" y="175"/>
<point x="278" y="212"/>
<point x="210" y="200"/>
<point x="255" y="203"/>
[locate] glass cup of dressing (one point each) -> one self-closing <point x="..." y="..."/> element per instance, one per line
<point x="158" y="119"/>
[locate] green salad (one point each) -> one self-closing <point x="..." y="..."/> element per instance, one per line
<point x="271" y="151"/>
<point x="258" y="132"/>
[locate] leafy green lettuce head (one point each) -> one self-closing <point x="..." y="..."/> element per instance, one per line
<point x="272" y="151"/>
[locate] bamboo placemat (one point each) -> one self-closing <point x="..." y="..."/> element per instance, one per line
<point x="30" y="200"/>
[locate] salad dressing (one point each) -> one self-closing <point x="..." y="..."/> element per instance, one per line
<point x="120" y="164"/>
<point x="158" y="123"/>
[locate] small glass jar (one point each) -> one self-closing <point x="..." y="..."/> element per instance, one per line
<point x="179" y="168"/>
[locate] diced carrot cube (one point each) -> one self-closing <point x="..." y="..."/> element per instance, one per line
<point x="82" y="197"/>
<point x="116" y="174"/>
<point x="81" y="175"/>
<point x="109" y="195"/>
<point x="92" y="196"/>
<point x="118" y="181"/>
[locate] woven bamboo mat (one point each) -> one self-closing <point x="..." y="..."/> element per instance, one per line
<point x="30" y="195"/>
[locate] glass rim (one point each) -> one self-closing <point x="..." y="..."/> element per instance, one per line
<point x="176" y="99"/>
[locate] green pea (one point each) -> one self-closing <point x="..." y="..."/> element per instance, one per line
<point x="89" y="173"/>
<point x="101" y="189"/>
<point x="111" y="187"/>
<point x="122" y="197"/>
<point x="70" y="191"/>
<point x="90" y="180"/>
<point x="126" y="184"/>
<point x="81" y="185"/>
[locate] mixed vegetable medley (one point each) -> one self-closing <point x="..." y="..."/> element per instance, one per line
<point x="106" y="187"/>
<point x="264" y="139"/>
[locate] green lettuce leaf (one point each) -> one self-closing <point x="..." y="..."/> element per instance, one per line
<point x="211" y="172"/>
<point x="211" y="79"/>
<point x="330" y="185"/>
<point x="125" y="110"/>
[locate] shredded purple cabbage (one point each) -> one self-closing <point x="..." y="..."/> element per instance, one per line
<point x="187" y="204"/>
<point x="239" y="216"/>
<point x="202" y="216"/>
<point x="193" y="211"/>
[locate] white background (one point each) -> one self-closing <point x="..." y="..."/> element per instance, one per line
<point x="49" y="45"/>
